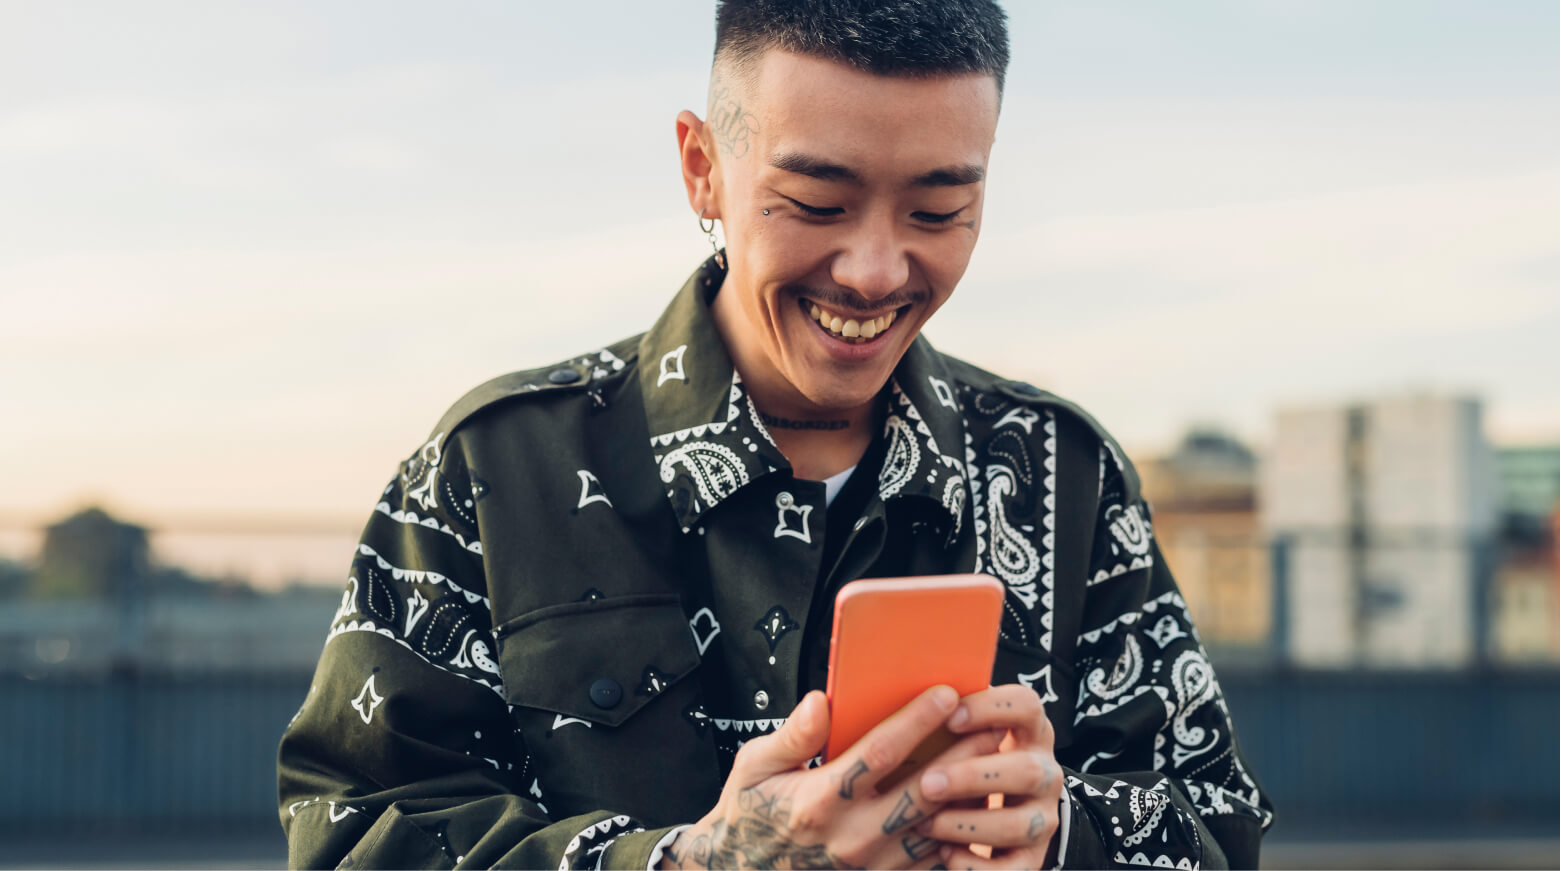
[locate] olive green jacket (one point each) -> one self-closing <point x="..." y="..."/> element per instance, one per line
<point x="596" y="580"/>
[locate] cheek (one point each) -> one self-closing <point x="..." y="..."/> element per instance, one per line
<point x="945" y="260"/>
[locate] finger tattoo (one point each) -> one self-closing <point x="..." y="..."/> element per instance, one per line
<point x="918" y="846"/>
<point x="905" y="813"/>
<point x="1037" y="825"/>
<point x="848" y="782"/>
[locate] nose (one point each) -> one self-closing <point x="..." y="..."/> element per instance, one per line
<point x="873" y="261"/>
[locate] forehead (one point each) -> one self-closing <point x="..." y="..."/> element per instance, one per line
<point x="884" y="125"/>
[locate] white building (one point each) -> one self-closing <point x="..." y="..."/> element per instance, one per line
<point x="1388" y="508"/>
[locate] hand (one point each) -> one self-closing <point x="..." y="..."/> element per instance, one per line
<point x="775" y="813"/>
<point x="1023" y="772"/>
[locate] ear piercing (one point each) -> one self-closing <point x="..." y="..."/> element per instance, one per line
<point x="720" y="258"/>
<point x="766" y="211"/>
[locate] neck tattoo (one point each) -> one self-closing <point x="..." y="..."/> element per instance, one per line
<point x="784" y="423"/>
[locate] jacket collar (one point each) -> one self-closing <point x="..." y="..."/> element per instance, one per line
<point x="708" y="441"/>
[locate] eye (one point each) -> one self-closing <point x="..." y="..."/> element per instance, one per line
<point x="930" y="218"/>
<point x="815" y="211"/>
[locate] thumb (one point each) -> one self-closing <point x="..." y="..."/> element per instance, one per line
<point x="798" y="740"/>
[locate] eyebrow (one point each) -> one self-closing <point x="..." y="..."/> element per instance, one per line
<point x="823" y="170"/>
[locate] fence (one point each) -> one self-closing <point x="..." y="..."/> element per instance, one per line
<point x="1373" y="753"/>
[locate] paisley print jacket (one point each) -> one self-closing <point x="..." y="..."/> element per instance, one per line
<point x="595" y="580"/>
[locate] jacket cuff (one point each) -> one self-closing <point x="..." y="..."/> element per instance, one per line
<point x="396" y="841"/>
<point x="1064" y="828"/>
<point x="1079" y="844"/>
<point x="637" y="851"/>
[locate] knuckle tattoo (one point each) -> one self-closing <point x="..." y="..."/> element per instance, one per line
<point x="848" y="781"/>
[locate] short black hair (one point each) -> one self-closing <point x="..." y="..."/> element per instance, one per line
<point x="885" y="37"/>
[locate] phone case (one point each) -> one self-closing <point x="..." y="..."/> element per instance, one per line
<point x="896" y="637"/>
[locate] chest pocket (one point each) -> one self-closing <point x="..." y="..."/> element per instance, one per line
<point x="601" y="696"/>
<point x="600" y="661"/>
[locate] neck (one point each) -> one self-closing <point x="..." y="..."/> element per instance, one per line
<point x="818" y="442"/>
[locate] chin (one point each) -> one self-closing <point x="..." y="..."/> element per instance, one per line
<point x="833" y="396"/>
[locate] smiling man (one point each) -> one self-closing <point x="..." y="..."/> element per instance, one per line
<point x="588" y="622"/>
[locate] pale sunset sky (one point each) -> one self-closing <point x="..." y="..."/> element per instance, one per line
<point x="249" y="252"/>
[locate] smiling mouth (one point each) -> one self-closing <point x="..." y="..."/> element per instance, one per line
<point x="853" y="331"/>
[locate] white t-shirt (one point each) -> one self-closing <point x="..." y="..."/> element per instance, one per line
<point x="834" y="483"/>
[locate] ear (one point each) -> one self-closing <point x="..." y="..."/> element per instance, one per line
<point x="701" y="171"/>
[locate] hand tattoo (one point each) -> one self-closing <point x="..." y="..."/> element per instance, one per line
<point x="848" y="781"/>
<point x="759" y="838"/>
<point x="765" y="807"/>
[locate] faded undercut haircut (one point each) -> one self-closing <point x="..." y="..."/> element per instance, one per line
<point x="917" y="38"/>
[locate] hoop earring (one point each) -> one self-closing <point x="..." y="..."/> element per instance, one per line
<point x="720" y="258"/>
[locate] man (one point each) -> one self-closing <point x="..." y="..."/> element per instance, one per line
<point x="597" y="581"/>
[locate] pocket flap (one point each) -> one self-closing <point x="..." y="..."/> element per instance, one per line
<point x="599" y="660"/>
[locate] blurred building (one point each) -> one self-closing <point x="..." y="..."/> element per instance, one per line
<point x="1524" y="600"/>
<point x="97" y="604"/>
<point x="1385" y="512"/>
<point x="1204" y="501"/>
<point x="90" y="555"/>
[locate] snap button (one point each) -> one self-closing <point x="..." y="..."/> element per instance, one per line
<point x="784" y="500"/>
<point x="1026" y="388"/>
<point x="606" y="693"/>
<point x="563" y="375"/>
<point x="761" y="700"/>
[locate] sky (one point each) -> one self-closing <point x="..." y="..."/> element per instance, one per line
<point x="250" y="252"/>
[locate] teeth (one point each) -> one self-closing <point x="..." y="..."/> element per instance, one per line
<point x="849" y="328"/>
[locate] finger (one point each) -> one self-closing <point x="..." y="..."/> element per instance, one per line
<point x="887" y="744"/>
<point x="906" y="805"/>
<point x="1021" y="825"/>
<point x="790" y="747"/>
<point x="1031" y="772"/>
<point x="1011" y="706"/>
<point x="934" y="783"/>
<point x="900" y="808"/>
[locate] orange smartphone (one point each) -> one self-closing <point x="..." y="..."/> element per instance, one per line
<point x="894" y="638"/>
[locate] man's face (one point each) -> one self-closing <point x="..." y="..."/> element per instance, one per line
<point x="873" y="186"/>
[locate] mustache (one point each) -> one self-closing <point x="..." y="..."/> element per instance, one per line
<point x="846" y="303"/>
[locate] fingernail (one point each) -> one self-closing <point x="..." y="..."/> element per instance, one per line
<point x="945" y="697"/>
<point x="961" y="717"/>
<point x="944" y="852"/>
<point x="933" y="783"/>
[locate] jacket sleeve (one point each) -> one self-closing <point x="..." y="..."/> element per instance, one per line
<point x="1154" y="774"/>
<point x="404" y="753"/>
